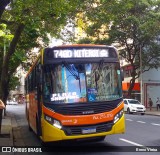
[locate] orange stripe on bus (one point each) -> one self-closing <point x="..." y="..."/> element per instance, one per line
<point x="84" y="119"/>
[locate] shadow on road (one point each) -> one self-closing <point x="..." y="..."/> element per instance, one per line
<point x="80" y="146"/>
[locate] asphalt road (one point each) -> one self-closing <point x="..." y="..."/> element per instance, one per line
<point x="142" y="136"/>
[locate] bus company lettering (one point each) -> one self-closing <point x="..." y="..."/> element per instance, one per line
<point x="102" y="116"/>
<point x="84" y="53"/>
<point x="70" y="121"/>
<point x="63" y="96"/>
<point x="67" y="121"/>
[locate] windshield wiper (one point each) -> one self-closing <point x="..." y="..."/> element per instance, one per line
<point x="77" y="77"/>
<point x="71" y="70"/>
<point x="101" y="64"/>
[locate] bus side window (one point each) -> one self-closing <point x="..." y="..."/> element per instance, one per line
<point x="26" y="85"/>
<point x="38" y="74"/>
<point x="29" y="83"/>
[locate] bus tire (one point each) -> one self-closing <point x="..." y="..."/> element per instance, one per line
<point x="27" y="116"/>
<point x="95" y="139"/>
<point x="43" y="143"/>
<point x="37" y="124"/>
<point x="29" y="127"/>
<point x="101" y="138"/>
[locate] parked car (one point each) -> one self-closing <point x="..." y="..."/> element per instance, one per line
<point x="133" y="106"/>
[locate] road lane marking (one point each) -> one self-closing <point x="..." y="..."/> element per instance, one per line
<point x="155" y="124"/>
<point x="133" y="143"/>
<point x="129" y="119"/>
<point x="141" y="122"/>
<point x="130" y="142"/>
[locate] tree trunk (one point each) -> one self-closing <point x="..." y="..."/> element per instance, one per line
<point x="6" y="93"/>
<point x="131" y="86"/>
<point x="5" y="64"/>
<point x="132" y="81"/>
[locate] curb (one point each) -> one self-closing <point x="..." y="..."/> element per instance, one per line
<point x="152" y="114"/>
<point x="16" y="131"/>
<point x="6" y="141"/>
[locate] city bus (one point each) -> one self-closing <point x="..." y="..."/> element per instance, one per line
<point x="74" y="92"/>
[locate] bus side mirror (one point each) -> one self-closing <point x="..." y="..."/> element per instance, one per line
<point x="122" y="74"/>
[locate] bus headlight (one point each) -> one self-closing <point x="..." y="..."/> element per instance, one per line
<point x="118" y="116"/>
<point x="48" y="119"/>
<point x="57" y="124"/>
<point x="53" y="121"/>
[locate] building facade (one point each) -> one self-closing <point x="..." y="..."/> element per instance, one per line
<point x="150" y="84"/>
<point x="18" y="94"/>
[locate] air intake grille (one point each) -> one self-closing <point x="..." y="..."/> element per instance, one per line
<point x="85" y="109"/>
<point x="78" y="130"/>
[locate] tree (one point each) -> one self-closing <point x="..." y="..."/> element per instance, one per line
<point x="29" y="21"/>
<point x="3" y="4"/>
<point x="134" y="26"/>
<point x="32" y="19"/>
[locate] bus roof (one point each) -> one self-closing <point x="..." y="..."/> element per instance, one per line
<point x="69" y="46"/>
<point x="81" y="45"/>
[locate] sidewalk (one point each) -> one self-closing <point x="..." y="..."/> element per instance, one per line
<point x="153" y="112"/>
<point x="6" y="132"/>
<point x="9" y="132"/>
<point x="6" y="137"/>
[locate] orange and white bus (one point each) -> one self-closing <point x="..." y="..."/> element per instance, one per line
<point x="75" y="92"/>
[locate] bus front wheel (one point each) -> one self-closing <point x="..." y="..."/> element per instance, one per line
<point x="101" y="138"/>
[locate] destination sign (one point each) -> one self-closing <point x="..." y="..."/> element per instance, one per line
<point x="80" y="53"/>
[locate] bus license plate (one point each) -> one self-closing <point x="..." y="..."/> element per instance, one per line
<point x="88" y="130"/>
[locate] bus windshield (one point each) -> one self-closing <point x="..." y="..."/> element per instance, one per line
<point x="90" y="82"/>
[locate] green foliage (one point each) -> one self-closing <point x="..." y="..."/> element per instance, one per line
<point x="134" y="25"/>
<point x="5" y="35"/>
<point x="85" y="41"/>
<point x="136" y="28"/>
<point x="5" y="38"/>
<point x="29" y="22"/>
<point x="14" y="81"/>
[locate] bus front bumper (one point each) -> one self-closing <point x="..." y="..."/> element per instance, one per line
<point x="51" y="133"/>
